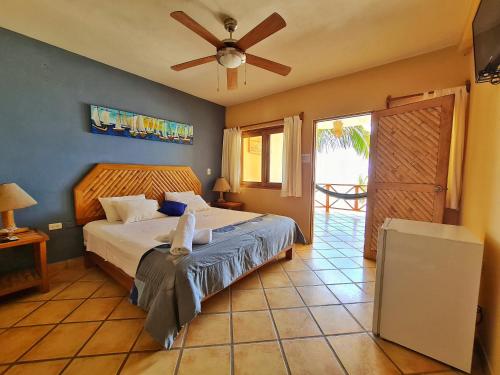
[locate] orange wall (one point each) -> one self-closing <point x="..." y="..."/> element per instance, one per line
<point x="481" y="206"/>
<point x="360" y="92"/>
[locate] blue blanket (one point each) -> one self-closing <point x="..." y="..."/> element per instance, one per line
<point x="171" y="288"/>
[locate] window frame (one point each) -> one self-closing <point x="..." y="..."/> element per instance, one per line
<point x="265" y="133"/>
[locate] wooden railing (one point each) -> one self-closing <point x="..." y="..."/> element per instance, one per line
<point x="327" y="202"/>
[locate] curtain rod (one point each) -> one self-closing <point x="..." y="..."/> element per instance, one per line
<point x="390" y="99"/>
<point x="270" y="123"/>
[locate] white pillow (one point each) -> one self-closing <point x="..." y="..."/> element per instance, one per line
<point x="137" y="210"/>
<point x="109" y="209"/>
<point x="178" y="196"/>
<point x="197" y="203"/>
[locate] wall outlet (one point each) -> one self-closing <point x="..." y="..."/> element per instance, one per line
<point x="209" y="171"/>
<point x="55" y="226"/>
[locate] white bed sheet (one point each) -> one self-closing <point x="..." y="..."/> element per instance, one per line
<point x="124" y="244"/>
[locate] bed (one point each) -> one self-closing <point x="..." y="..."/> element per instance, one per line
<point x="170" y="288"/>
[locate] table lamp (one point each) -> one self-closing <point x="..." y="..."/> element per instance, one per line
<point x="12" y="197"/>
<point x="221" y="185"/>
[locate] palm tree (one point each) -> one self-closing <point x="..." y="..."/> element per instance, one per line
<point x="345" y="137"/>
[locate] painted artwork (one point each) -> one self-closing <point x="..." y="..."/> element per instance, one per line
<point x="109" y="121"/>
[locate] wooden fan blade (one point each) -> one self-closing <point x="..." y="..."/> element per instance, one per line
<point x="232" y="78"/>
<point x="197" y="28"/>
<point x="268" y="65"/>
<point x="190" y="64"/>
<point x="260" y="32"/>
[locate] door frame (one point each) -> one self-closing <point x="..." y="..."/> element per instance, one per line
<point x="313" y="159"/>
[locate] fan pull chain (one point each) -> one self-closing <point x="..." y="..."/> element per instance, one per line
<point x="245" y="83"/>
<point x="218" y="79"/>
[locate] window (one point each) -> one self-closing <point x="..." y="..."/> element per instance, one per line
<point x="262" y="157"/>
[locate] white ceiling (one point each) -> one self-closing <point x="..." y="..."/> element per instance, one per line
<point x="323" y="38"/>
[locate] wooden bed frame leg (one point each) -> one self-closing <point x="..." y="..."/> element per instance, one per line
<point x="289" y="254"/>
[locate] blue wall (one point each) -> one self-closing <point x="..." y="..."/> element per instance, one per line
<point x="46" y="146"/>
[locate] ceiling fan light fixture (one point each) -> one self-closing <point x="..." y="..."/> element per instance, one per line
<point x="230" y="57"/>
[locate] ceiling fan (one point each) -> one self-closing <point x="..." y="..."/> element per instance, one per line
<point x="231" y="53"/>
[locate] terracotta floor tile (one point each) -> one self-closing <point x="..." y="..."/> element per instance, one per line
<point x="93" y="309"/>
<point x="16" y="341"/>
<point x="210" y="329"/>
<point x="344" y="263"/>
<point x="351" y="252"/>
<point x="102" y="365"/>
<point x="318" y="264"/>
<point x="10" y="313"/>
<point x="368" y="288"/>
<point x="408" y="360"/>
<point x="35" y="295"/>
<point x="317" y="295"/>
<point x="251" y="281"/>
<point x="51" y="312"/>
<point x="126" y="310"/>
<point x="271" y="267"/>
<point x="303" y="278"/>
<point x="367" y="263"/>
<point x="295" y="323"/>
<point x="363" y="312"/>
<point x="253" y="326"/>
<point x="110" y="289"/>
<point x="332" y="253"/>
<point x="334" y="319"/>
<point x="207" y="361"/>
<point x="94" y="275"/>
<point x="310" y="357"/>
<point x="360" y="355"/>
<point x="349" y="293"/>
<point x="162" y="362"/>
<point x="310" y="254"/>
<point x="114" y="337"/>
<point x="40" y="368"/>
<point x="179" y="340"/>
<point x="68" y="275"/>
<point x="146" y="342"/>
<point x="294" y="265"/>
<point x="275" y="279"/>
<point x="217" y="304"/>
<point x="63" y="341"/>
<point x="359" y="275"/>
<point x="321" y="245"/>
<point x="283" y="298"/>
<point x="253" y="299"/>
<point x="259" y="358"/>
<point x="332" y="277"/>
<point x="80" y="289"/>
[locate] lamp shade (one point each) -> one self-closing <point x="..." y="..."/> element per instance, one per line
<point x="221" y="185"/>
<point x="13" y="197"/>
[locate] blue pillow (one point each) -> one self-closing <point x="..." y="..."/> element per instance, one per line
<point x="172" y="208"/>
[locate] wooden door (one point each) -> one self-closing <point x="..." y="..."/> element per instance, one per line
<point x="408" y="168"/>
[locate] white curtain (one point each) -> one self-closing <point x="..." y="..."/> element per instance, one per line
<point x="292" y="158"/>
<point x="457" y="142"/>
<point x="231" y="158"/>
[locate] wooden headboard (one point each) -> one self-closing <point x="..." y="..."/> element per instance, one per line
<point x="114" y="180"/>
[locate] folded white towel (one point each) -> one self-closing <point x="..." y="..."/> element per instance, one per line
<point x="200" y="237"/>
<point x="182" y="242"/>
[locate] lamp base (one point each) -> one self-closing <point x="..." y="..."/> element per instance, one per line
<point x="221" y="197"/>
<point x="9" y="222"/>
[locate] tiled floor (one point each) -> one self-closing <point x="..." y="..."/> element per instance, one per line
<point x="310" y="315"/>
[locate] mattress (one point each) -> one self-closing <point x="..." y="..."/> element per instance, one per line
<point x="124" y="244"/>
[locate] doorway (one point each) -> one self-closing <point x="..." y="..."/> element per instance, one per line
<point x="342" y="146"/>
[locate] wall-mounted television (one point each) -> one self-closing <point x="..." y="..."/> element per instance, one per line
<point x="486" y="31"/>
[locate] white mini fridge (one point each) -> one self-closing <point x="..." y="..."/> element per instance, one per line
<point x="427" y="289"/>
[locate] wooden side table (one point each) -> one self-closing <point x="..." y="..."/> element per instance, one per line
<point x="238" y="206"/>
<point x="15" y="281"/>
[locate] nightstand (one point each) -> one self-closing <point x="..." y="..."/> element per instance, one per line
<point x="238" y="206"/>
<point x="15" y="281"/>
